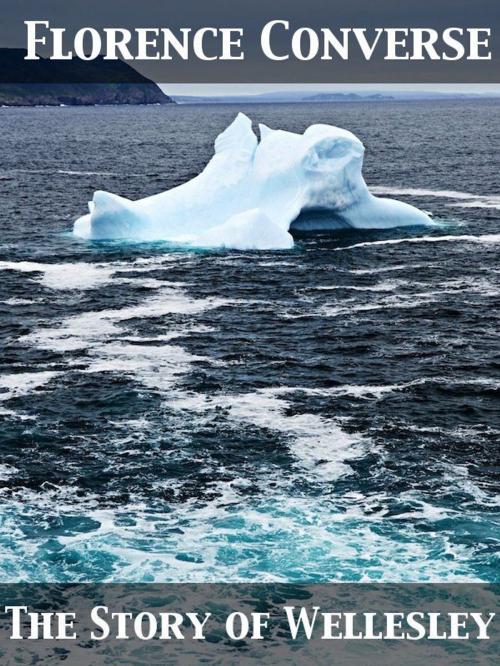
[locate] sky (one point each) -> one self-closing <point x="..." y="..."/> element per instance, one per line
<point x="209" y="89"/>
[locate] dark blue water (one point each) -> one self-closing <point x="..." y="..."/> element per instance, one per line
<point x="324" y="413"/>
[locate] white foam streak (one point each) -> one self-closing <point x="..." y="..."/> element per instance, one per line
<point x="382" y="269"/>
<point x="84" y="275"/>
<point x="64" y="276"/>
<point x="7" y="472"/>
<point x="387" y="285"/>
<point x="19" y="384"/>
<point x="373" y="391"/>
<point x="485" y="238"/>
<point x="319" y="444"/>
<point x="421" y="192"/>
<point x="112" y="347"/>
<point x="67" y="172"/>
<point x="89" y="330"/>
<point x="462" y="199"/>
<point x="155" y="367"/>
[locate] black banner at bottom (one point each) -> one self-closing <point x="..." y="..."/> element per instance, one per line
<point x="374" y="624"/>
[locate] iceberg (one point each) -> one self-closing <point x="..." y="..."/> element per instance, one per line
<point x="252" y="194"/>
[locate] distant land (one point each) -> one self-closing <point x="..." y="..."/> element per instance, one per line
<point x="276" y="97"/>
<point x="318" y="97"/>
<point x="73" y="83"/>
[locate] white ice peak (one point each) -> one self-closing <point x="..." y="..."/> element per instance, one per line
<point x="251" y="193"/>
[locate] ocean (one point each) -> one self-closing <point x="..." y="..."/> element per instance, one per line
<point x="326" y="413"/>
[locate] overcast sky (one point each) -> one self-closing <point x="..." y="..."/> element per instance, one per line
<point x="209" y="89"/>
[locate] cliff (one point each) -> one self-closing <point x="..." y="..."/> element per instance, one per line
<point x="76" y="82"/>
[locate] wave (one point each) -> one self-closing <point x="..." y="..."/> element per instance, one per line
<point x="484" y="238"/>
<point x="82" y="329"/>
<point x="9" y="175"/>
<point x="319" y="445"/>
<point x="350" y="306"/>
<point x="463" y="199"/>
<point x="64" y="276"/>
<point x="20" y="384"/>
<point x="385" y="285"/>
<point x="493" y="203"/>
<point x="20" y="301"/>
<point x="87" y="173"/>
<point x="83" y="275"/>
<point x="111" y="345"/>
<point x="371" y="391"/>
<point x="382" y="269"/>
<point x="398" y="302"/>
<point x="421" y="192"/>
<point x="236" y="537"/>
<point x="7" y="472"/>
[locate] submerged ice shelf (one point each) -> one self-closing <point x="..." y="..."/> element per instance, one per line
<point x="251" y="193"/>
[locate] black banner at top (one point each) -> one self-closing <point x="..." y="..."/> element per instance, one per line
<point x="318" y="41"/>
